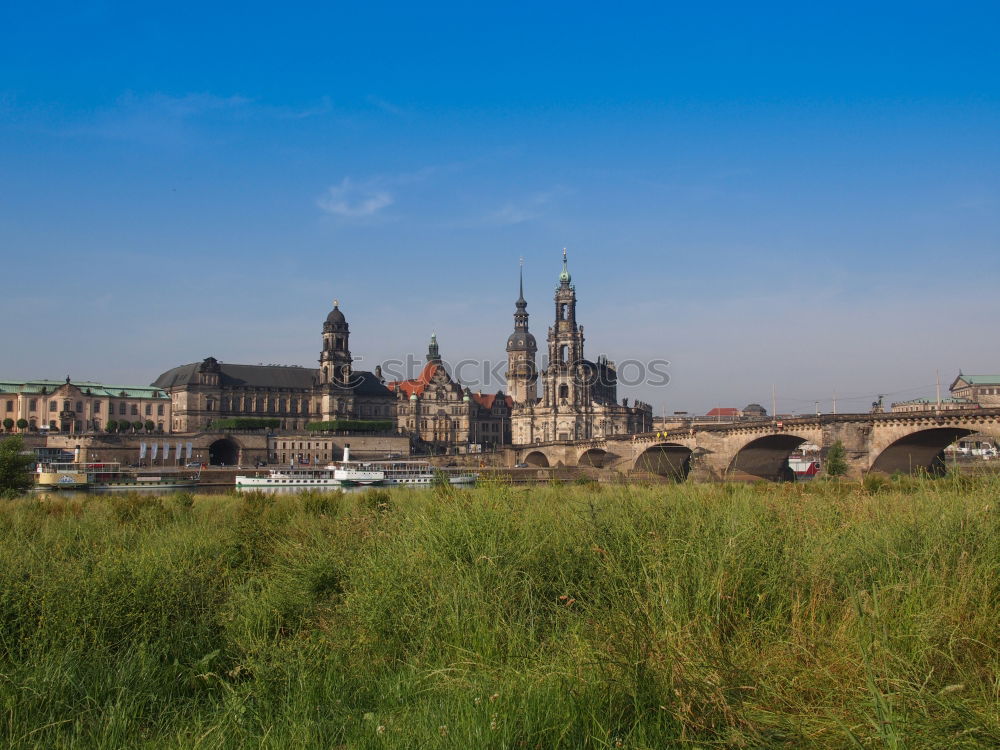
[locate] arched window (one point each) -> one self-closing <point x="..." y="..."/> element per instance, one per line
<point x="564" y="391"/>
<point x="563" y="353"/>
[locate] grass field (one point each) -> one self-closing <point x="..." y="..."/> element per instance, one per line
<point x="823" y="615"/>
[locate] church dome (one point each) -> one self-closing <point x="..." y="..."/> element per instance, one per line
<point x="521" y="340"/>
<point x="336" y="316"/>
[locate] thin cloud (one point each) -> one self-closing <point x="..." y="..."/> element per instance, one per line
<point x="386" y="106"/>
<point x="349" y="200"/>
<point x="525" y="209"/>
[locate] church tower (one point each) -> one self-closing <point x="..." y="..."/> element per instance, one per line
<point x="521" y="374"/>
<point x="335" y="359"/>
<point x="562" y="387"/>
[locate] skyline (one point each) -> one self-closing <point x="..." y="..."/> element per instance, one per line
<point x="799" y="197"/>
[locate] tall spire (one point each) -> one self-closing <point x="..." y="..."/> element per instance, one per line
<point x="520" y="296"/>
<point x="564" y="277"/>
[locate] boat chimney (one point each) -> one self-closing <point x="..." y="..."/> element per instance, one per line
<point x="347" y="452"/>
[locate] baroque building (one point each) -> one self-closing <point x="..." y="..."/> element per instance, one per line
<point x="75" y="408"/>
<point x="579" y="397"/>
<point x="204" y="391"/>
<point x="436" y="411"/>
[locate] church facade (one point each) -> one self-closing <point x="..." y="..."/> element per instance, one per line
<point x="579" y="398"/>
<point x="204" y="391"/>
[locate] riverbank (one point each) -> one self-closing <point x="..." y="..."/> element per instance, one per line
<point x="811" y="615"/>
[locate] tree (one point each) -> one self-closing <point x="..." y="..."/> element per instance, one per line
<point x="137" y="425"/>
<point x="149" y="425"/>
<point x="836" y="460"/>
<point x="22" y="424"/>
<point x="111" y="426"/>
<point x="8" y="424"/>
<point x="15" y="466"/>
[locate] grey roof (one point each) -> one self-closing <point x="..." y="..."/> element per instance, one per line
<point x="336" y="316"/>
<point x="521" y="340"/>
<point x="268" y="376"/>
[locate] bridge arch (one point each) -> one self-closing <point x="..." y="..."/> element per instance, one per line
<point x="224" y="452"/>
<point x="595" y="457"/>
<point x="922" y="450"/>
<point x="537" y="458"/>
<point x="766" y="457"/>
<point x="668" y="460"/>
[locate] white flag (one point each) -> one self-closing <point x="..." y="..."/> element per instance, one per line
<point x="166" y="451"/>
<point x="142" y="451"/>
<point x="179" y="455"/>
<point x="152" y="451"/>
<point x="189" y="451"/>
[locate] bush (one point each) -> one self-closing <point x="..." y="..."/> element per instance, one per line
<point x="351" y="425"/>
<point x="245" y="423"/>
<point x="111" y="426"/>
<point x="8" y="424"/>
<point x="137" y="425"/>
<point x="149" y="425"/>
<point x="15" y="466"/>
<point x="836" y="460"/>
<point x="22" y="424"/>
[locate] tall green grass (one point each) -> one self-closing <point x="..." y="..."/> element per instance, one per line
<point x="824" y="615"/>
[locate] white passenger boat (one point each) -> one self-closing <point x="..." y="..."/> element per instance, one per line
<point x="102" y="476"/>
<point x="345" y="473"/>
<point x="349" y="473"/>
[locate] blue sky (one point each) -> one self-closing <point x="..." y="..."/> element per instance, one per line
<point x="762" y="194"/>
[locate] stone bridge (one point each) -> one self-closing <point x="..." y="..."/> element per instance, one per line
<point x="883" y="443"/>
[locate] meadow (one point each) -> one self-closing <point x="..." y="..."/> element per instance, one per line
<point x="828" y="615"/>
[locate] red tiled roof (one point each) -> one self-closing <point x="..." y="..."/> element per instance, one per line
<point x="723" y="411"/>
<point x="416" y="385"/>
<point x="486" y="400"/>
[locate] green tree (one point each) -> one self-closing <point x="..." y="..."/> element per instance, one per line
<point x="15" y="466"/>
<point x="8" y="424"/>
<point x="137" y="425"/>
<point x="22" y="424"/>
<point x="149" y="425"/>
<point x="111" y="426"/>
<point x="836" y="460"/>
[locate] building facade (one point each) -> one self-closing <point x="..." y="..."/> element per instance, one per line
<point x="437" y="412"/>
<point x="983" y="390"/>
<point x="202" y="392"/>
<point x="75" y="408"/>
<point x="579" y="397"/>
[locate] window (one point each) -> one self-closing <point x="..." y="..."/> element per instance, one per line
<point x="159" y="410"/>
<point x="135" y="410"/>
<point x="79" y="407"/>
<point x="66" y="405"/>
<point x="33" y="404"/>
<point x="563" y="353"/>
<point x="10" y="406"/>
<point x="97" y="407"/>
<point x="53" y="406"/>
<point x="564" y="391"/>
<point x="149" y="410"/>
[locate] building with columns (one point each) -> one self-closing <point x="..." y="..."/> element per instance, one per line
<point x="204" y="391"/>
<point x="579" y="397"/>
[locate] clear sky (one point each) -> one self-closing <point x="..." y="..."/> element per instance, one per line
<point x="803" y="195"/>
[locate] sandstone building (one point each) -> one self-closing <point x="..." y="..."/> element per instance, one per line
<point x="74" y="408"/>
<point x="209" y="390"/>
<point x="579" y="397"/>
<point x="436" y="410"/>
<point x="979" y="389"/>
